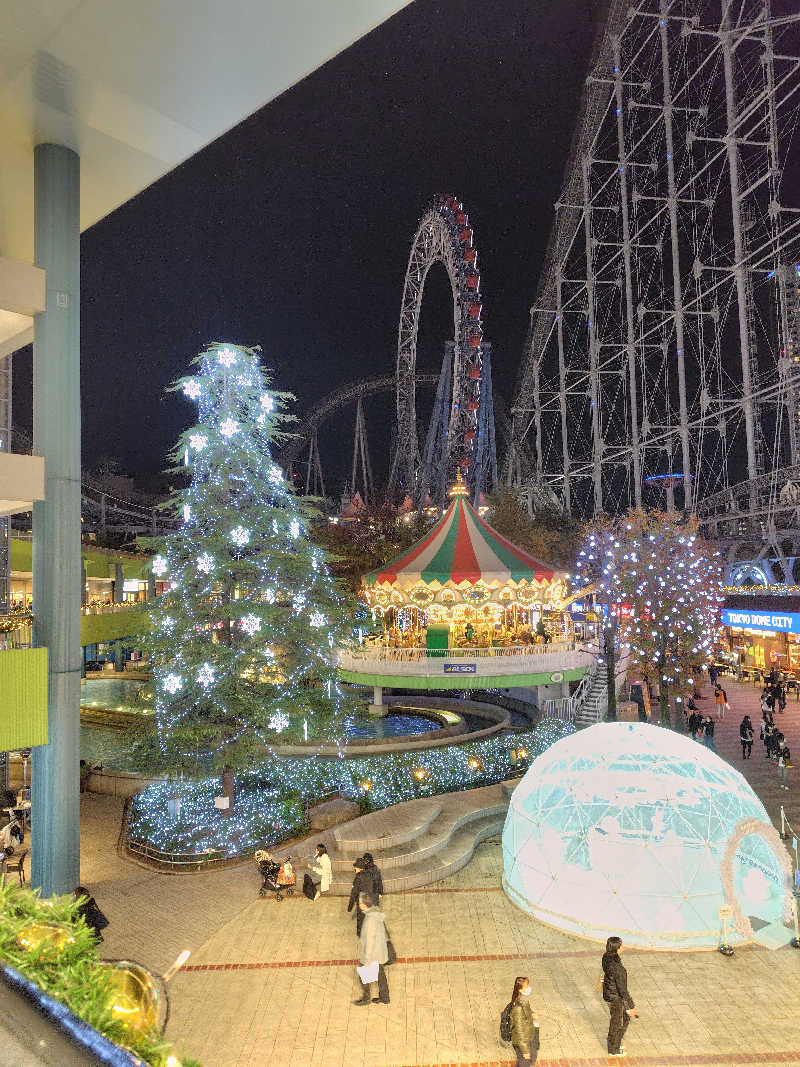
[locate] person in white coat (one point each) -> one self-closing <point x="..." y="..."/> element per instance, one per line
<point x="373" y="948"/>
<point x="322" y="868"/>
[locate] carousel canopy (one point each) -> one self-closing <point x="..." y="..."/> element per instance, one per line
<point x="461" y="547"/>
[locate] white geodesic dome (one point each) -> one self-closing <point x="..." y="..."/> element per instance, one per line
<point x="634" y="830"/>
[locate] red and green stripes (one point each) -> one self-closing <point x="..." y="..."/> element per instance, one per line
<point x="461" y="548"/>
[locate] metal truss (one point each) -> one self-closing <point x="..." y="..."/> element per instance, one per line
<point x="443" y="236"/>
<point x="656" y="369"/>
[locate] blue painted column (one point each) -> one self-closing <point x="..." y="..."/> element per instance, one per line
<point x="55" y="862"/>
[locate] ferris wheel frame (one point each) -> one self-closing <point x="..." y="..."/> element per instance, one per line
<point x="445" y="236"/>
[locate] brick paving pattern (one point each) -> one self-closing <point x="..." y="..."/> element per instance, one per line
<point x="272" y="981"/>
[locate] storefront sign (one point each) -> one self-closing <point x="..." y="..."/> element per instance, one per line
<point x="460" y="668"/>
<point x="784" y="622"/>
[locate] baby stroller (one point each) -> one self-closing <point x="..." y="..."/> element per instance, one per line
<point x="276" y="878"/>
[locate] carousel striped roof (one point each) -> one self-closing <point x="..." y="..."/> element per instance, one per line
<point x="461" y="547"/>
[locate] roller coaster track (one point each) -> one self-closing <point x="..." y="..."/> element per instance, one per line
<point x="352" y="392"/>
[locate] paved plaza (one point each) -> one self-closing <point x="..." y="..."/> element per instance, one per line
<point x="275" y="982"/>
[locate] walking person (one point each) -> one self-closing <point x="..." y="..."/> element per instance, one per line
<point x="721" y="697"/>
<point x="615" y="993"/>
<point x="524" y="1024"/>
<point x="375" y="874"/>
<point x="713" y="674"/>
<point x="321" y="866"/>
<point x="362" y="883"/>
<point x="89" y="912"/>
<point x="695" y="722"/>
<point x="374" y="952"/>
<point x="708" y="733"/>
<point x="784" y="765"/>
<point x="746" y="737"/>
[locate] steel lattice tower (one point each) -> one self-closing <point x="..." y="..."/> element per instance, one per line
<point x="656" y="356"/>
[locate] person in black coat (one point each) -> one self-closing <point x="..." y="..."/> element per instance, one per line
<point x="375" y="874"/>
<point x="362" y="883"/>
<point x="616" y="995"/>
<point x="746" y="736"/>
<point x="89" y="911"/>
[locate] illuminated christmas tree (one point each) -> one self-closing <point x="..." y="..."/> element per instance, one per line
<point x="663" y="584"/>
<point x="242" y="641"/>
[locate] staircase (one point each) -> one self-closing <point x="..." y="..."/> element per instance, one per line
<point x="593" y="706"/>
<point x="415" y="843"/>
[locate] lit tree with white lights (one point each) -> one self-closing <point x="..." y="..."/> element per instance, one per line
<point x="242" y="642"/>
<point x="664" y="585"/>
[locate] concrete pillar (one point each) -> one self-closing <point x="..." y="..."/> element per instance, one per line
<point x="151" y="586"/>
<point x="377" y="707"/>
<point x="119" y="662"/>
<point x="55" y="860"/>
<point x="119" y="583"/>
<point x="565" y="688"/>
<point x="541" y="697"/>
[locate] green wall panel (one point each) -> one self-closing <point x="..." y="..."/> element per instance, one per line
<point x="125" y="623"/>
<point x="23" y="698"/>
<point x="98" y="564"/>
<point x="458" y="681"/>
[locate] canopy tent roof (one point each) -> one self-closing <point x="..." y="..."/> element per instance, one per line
<point x="461" y="547"/>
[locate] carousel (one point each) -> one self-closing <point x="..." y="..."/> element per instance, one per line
<point x="464" y="600"/>
<point x="465" y="585"/>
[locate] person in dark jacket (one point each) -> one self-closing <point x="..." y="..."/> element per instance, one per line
<point x="374" y="873"/>
<point x="90" y="912"/>
<point x="695" y="724"/>
<point x="362" y="883"/>
<point x="524" y="1024"/>
<point x="746" y="737"/>
<point x="616" y="995"/>
<point x="708" y="733"/>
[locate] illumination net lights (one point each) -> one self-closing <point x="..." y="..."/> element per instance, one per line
<point x="622" y="829"/>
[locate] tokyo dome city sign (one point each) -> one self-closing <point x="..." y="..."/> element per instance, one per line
<point x="785" y="621"/>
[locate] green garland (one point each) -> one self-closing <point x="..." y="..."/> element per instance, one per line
<point x="73" y="975"/>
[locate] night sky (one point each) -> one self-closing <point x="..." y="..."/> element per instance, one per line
<point x="293" y="231"/>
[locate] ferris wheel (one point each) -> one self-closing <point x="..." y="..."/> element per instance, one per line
<point x="445" y="236"/>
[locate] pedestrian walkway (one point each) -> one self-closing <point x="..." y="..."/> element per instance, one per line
<point x="762" y="774"/>
<point x="269" y="981"/>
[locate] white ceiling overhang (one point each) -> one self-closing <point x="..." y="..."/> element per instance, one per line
<point x="138" y="86"/>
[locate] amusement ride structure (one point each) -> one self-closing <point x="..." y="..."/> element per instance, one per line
<point x="662" y="362"/>
<point x="461" y="432"/>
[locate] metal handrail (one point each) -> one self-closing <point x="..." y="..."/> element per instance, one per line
<point x="417" y="655"/>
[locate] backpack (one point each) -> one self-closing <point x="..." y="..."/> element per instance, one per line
<point x="505" y="1023"/>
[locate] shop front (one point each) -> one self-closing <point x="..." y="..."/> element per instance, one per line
<point x="762" y="633"/>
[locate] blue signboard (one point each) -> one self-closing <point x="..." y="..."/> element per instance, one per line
<point x="787" y="622"/>
<point x="460" y="668"/>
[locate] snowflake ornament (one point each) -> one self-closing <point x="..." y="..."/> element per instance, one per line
<point x="159" y="566"/>
<point x="299" y="602"/>
<point x="251" y="624"/>
<point x="294" y="528"/>
<point x="278" y="722"/>
<point x="168" y="622"/>
<point x="317" y="619"/>
<point x="229" y="427"/>
<point x="240" y="536"/>
<point x="187" y="512"/>
<point x="205" y="563"/>
<point x="267" y="402"/>
<point x="275" y="475"/>
<point x="192" y="388"/>
<point x="205" y="675"/>
<point x="198" y="441"/>
<point x="226" y="358"/>
<point x="172" y="683"/>
<point x="269" y="596"/>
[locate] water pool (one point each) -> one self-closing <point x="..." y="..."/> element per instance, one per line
<point x="396" y="724"/>
<point x="114" y="694"/>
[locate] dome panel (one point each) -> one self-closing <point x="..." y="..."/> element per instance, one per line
<point x="622" y="829"/>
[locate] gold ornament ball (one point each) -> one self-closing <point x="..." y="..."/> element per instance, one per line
<point x="135" y="997"/>
<point x="53" y="935"/>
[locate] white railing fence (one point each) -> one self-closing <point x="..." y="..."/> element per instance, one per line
<point x="374" y="653"/>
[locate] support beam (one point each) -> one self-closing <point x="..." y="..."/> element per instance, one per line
<point x="55" y="864"/>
